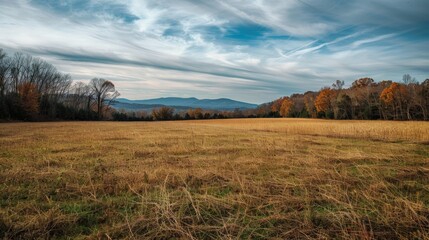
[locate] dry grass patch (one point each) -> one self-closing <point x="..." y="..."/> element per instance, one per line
<point x="215" y="179"/>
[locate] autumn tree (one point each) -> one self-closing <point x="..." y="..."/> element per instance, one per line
<point x="323" y="102"/>
<point x="275" y="106"/>
<point x="363" y="82"/>
<point x="394" y="98"/>
<point x="388" y="100"/>
<point x="286" y="107"/>
<point x="29" y="99"/>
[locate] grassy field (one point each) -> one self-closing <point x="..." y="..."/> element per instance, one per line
<point x="215" y="179"/>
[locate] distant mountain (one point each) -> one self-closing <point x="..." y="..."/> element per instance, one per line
<point x="182" y="104"/>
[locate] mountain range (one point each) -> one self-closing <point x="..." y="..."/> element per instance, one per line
<point x="181" y="104"/>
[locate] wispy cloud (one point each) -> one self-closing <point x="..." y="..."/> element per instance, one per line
<point x="373" y="39"/>
<point x="247" y="50"/>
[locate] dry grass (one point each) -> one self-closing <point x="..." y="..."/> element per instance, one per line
<point x="215" y="179"/>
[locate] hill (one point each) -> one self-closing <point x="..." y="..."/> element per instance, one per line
<point x="182" y="103"/>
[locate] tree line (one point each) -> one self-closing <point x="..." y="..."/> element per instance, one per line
<point x="33" y="89"/>
<point x="365" y="99"/>
<point x="168" y="113"/>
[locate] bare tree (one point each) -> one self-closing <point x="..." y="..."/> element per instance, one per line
<point x="407" y="79"/>
<point x="338" y="85"/>
<point x="163" y="113"/>
<point x="79" y="94"/>
<point x="5" y="64"/>
<point x="104" y="93"/>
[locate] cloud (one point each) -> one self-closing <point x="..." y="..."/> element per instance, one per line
<point x="373" y="39"/>
<point x="246" y="50"/>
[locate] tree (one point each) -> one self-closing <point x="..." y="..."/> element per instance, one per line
<point x="338" y="85"/>
<point x="79" y="94"/>
<point x="344" y="105"/>
<point x="388" y="99"/>
<point x="363" y="82"/>
<point x="286" y="107"/>
<point x="298" y="109"/>
<point x="275" y="107"/>
<point x="323" y="101"/>
<point x="309" y="100"/>
<point x="195" y="113"/>
<point x="237" y="113"/>
<point x="29" y="99"/>
<point x="23" y="76"/>
<point x="4" y="70"/>
<point x="423" y="96"/>
<point x="394" y="98"/>
<point x="163" y="113"/>
<point x="207" y="115"/>
<point x="104" y="94"/>
<point x="407" y="79"/>
<point x="263" y="110"/>
<point x="365" y="99"/>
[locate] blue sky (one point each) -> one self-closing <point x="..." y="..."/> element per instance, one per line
<point x="253" y="51"/>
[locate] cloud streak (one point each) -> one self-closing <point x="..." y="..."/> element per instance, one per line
<point x="247" y="50"/>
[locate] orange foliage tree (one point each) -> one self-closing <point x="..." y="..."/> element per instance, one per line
<point x="394" y="97"/>
<point x="286" y="107"/>
<point x="275" y="107"/>
<point x="387" y="95"/>
<point x="323" y="101"/>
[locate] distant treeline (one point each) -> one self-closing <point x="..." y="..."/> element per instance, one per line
<point x="169" y="113"/>
<point x="32" y="89"/>
<point x="365" y="99"/>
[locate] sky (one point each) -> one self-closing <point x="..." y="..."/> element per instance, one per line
<point x="248" y="50"/>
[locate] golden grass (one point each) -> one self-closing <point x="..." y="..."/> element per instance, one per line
<point x="215" y="179"/>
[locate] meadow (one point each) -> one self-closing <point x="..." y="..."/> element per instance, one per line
<point x="215" y="179"/>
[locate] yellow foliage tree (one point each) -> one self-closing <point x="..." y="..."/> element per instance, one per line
<point x="286" y="107"/>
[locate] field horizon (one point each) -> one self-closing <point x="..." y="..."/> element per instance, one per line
<point x="215" y="179"/>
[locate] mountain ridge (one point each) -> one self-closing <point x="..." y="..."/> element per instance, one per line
<point x="182" y="103"/>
